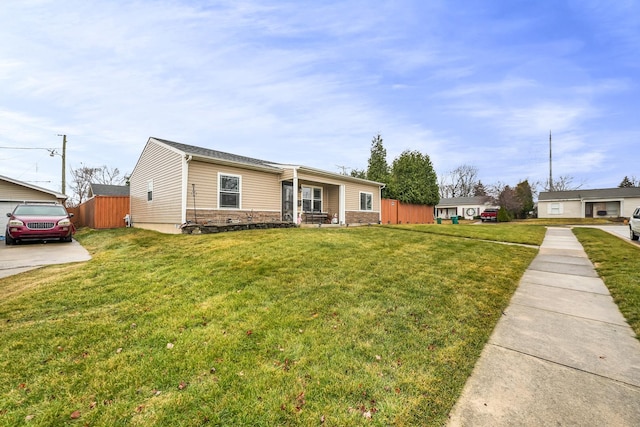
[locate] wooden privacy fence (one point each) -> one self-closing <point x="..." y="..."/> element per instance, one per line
<point x="396" y="212"/>
<point x="101" y="212"/>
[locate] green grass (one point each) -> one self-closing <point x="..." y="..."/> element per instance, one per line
<point x="617" y="262"/>
<point x="508" y="232"/>
<point x="267" y="327"/>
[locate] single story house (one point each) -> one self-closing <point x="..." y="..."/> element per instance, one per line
<point x="602" y="203"/>
<point x="173" y="183"/>
<point x="464" y="207"/>
<point x="14" y="192"/>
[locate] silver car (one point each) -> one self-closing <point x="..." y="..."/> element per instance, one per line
<point x="634" y="224"/>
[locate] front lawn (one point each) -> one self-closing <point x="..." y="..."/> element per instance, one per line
<point x="339" y="327"/>
<point x="618" y="263"/>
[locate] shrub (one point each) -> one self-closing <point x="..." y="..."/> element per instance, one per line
<point x="504" y="215"/>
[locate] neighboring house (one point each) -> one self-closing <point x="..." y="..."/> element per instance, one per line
<point x="467" y="207"/>
<point x="174" y="183"/>
<point x="13" y="192"/>
<point x="107" y="207"/>
<point x="108" y="190"/>
<point x="603" y="203"/>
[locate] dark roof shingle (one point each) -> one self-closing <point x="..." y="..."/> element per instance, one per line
<point x="109" y="190"/>
<point x="215" y="154"/>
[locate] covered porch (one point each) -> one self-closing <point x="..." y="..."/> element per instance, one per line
<point x="306" y="201"/>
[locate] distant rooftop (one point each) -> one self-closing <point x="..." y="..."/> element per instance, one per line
<point x="109" y="190"/>
<point x="589" y="194"/>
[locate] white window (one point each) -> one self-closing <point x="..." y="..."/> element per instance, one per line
<point x="366" y="201"/>
<point x="229" y="191"/>
<point x="555" y="209"/>
<point x="150" y="190"/>
<point x="312" y="199"/>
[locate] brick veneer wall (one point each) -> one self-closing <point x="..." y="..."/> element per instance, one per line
<point x="362" y="217"/>
<point x="223" y="217"/>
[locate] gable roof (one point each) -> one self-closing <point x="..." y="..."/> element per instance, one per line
<point x="109" y="190"/>
<point x="459" y="201"/>
<point x="207" y="154"/>
<point x="603" y="193"/>
<point x="33" y="187"/>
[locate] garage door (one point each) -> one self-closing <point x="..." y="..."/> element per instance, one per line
<point x="4" y="208"/>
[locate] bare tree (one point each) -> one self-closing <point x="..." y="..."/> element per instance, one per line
<point x="83" y="177"/>
<point x="460" y="182"/>
<point x="564" y="183"/>
<point x="445" y="186"/>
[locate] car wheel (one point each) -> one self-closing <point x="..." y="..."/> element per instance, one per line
<point x="67" y="239"/>
<point x="8" y="240"/>
<point x="633" y="235"/>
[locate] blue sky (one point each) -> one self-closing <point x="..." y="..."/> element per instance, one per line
<point x="477" y="83"/>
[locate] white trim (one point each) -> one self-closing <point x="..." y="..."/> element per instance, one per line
<point x="220" y="174"/>
<point x="150" y="190"/>
<point x="360" y="193"/>
<point x="185" y="186"/>
<point x="343" y="208"/>
<point x="296" y="209"/>
<point x="313" y="199"/>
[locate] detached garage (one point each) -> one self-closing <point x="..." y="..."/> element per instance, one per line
<point x="14" y="192"/>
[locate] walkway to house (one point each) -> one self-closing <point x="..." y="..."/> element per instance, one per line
<point x="562" y="354"/>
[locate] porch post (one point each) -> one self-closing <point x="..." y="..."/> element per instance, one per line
<point x="295" y="196"/>
<point x="343" y="209"/>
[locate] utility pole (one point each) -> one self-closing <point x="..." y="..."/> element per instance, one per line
<point x="550" y="160"/>
<point x="64" y="163"/>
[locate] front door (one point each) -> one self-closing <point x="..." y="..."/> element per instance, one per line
<point x="287" y="201"/>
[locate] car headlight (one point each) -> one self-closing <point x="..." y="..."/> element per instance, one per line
<point x="64" y="222"/>
<point x="16" y="223"/>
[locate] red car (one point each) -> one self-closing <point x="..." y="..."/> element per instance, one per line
<point x="39" y="221"/>
<point x="489" y="215"/>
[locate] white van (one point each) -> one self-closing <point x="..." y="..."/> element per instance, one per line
<point x="634" y="224"/>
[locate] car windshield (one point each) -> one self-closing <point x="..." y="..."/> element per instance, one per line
<point x="40" y="210"/>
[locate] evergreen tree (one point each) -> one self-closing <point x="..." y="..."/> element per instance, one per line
<point x="378" y="168"/>
<point x="359" y="173"/>
<point x="626" y="183"/>
<point x="524" y="195"/>
<point x="479" y="190"/>
<point x="413" y="179"/>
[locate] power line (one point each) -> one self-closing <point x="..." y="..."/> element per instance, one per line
<point x="27" y="148"/>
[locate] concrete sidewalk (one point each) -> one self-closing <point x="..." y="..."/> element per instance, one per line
<point x="562" y="355"/>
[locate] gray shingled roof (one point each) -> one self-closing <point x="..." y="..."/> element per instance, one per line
<point x="459" y="201"/>
<point x="215" y="154"/>
<point x="603" y="193"/>
<point x="109" y="190"/>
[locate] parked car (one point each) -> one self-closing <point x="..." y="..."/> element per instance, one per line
<point x="634" y="224"/>
<point x="39" y="221"/>
<point x="489" y="215"/>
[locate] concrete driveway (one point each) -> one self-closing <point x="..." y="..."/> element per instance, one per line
<point x="30" y="255"/>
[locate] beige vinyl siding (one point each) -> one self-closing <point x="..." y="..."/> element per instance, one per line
<point x="17" y="193"/>
<point x="287" y="175"/>
<point x="331" y="196"/>
<point x="352" y="192"/>
<point x="259" y="190"/>
<point x="164" y="167"/>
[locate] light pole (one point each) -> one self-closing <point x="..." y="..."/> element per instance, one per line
<point x="52" y="152"/>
